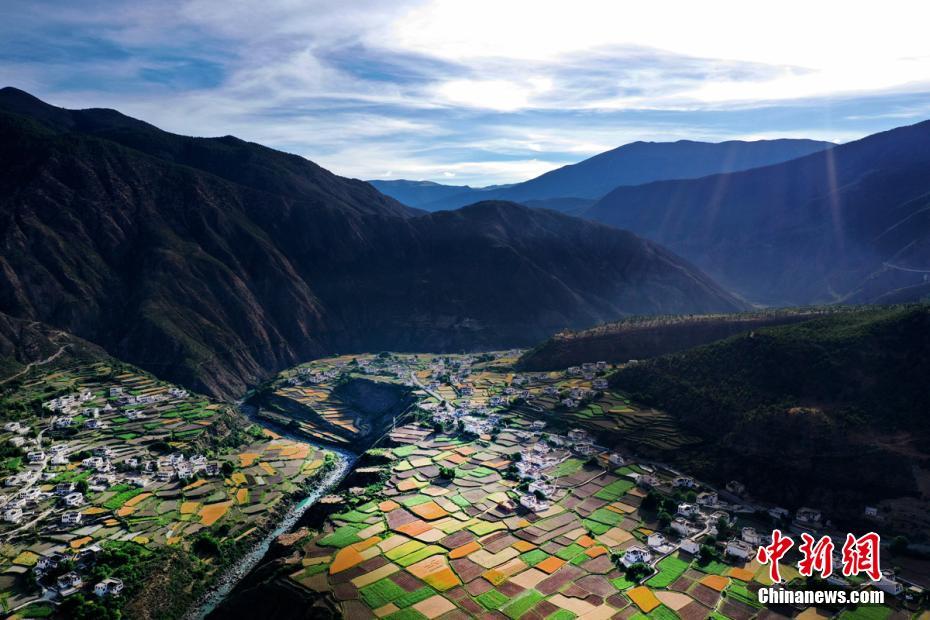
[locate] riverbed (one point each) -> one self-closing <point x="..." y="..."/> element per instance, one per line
<point x="244" y="565"/>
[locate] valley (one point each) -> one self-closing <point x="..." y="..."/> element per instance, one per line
<point x="480" y="486"/>
<point x="533" y="494"/>
<point x="235" y="384"/>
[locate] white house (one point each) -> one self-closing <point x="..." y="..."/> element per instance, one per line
<point x="656" y="540"/>
<point x="74" y="499"/>
<point x="684" y="482"/>
<point x="681" y="527"/>
<point x="599" y="384"/>
<point x="778" y="512"/>
<point x="739" y="549"/>
<point x="636" y="555"/>
<point x="69" y="583"/>
<point x="616" y="459"/>
<point x="689" y="545"/>
<point x="889" y="584"/>
<point x="751" y="536"/>
<point x="707" y="498"/>
<point x="13" y="515"/>
<point x="646" y="481"/>
<point x="71" y="518"/>
<point x="584" y="448"/>
<point x="688" y="510"/>
<point x="809" y="516"/>
<point x="533" y="503"/>
<point x="578" y="434"/>
<point x="569" y="403"/>
<point x="36" y="457"/>
<point x="109" y="587"/>
<point x="542" y="487"/>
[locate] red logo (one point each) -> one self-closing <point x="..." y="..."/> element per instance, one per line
<point x="859" y="555"/>
<point x="772" y="553"/>
<point x="818" y="556"/>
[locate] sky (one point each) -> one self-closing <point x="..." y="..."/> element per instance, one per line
<point x="477" y="92"/>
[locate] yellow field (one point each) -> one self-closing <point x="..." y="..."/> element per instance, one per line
<point x="211" y="513"/>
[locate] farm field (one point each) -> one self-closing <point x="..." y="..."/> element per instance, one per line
<point x="113" y="458"/>
<point x="492" y="504"/>
<point x="465" y="543"/>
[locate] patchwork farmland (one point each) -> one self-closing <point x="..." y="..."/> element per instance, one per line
<point x="496" y="498"/>
<point x="106" y="461"/>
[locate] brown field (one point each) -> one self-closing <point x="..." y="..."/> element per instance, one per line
<point x="211" y="513"/>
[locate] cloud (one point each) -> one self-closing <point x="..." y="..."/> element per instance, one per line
<point x="489" y="92"/>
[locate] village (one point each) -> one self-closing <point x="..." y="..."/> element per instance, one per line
<point x="118" y="458"/>
<point x="502" y="497"/>
<point x="516" y="492"/>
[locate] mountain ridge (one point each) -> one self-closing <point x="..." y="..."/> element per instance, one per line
<point x="816" y="229"/>
<point x="139" y="246"/>
<point x="630" y="164"/>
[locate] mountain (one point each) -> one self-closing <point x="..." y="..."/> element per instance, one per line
<point x="631" y="164"/>
<point x="424" y="193"/>
<point x="25" y="344"/>
<point x="214" y="262"/>
<point x="848" y="224"/>
<point x="243" y="163"/>
<point x="638" y="338"/>
<point x="830" y="412"/>
<point x="569" y="206"/>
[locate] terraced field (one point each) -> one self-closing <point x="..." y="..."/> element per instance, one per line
<point x="426" y="545"/>
<point x="149" y="464"/>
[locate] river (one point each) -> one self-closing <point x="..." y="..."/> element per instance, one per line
<point x="235" y="573"/>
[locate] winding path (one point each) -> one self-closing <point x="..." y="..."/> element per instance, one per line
<point x="51" y="358"/>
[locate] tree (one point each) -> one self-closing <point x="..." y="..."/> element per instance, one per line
<point x="651" y="501"/>
<point x="447" y="473"/>
<point x="706" y="554"/>
<point x="635" y="572"/>
<point x="664" y="519"/>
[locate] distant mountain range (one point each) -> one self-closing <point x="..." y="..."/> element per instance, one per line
<point x="851" y="223"/>
<point x="579" y="185"/>
<point x="215" y="262"/>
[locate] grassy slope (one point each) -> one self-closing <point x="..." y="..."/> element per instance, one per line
<point x="828" y="410"/>
<point x="645" y="337"/>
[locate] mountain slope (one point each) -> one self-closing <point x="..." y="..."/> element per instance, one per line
<point x="244" y="163"/>
<point x="831" y="411"/>
<point x="25" y="344"/>
<point x="148" y="244"/>
<point x="631" y="164"/>
<point x="640" y="338"/>
<point x="851" y="222"/>
<point x="424" y="193"/>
